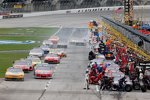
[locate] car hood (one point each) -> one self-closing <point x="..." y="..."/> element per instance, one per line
<point x="44" y="71"/>
<point x="14" y="73"/>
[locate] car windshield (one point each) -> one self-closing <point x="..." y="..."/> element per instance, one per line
<point x="14" y="70"/>
<point x="43" y="68"/>
<point x="44" y="65"/>
<point x="52" y="55"/>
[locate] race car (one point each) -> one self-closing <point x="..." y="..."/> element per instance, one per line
<point x="36" y="52"/>
<point x="44" y="65"/>
<point x="54" y="39"/>
<point x="29" y="61"/>
<point x="48" y="43"/>
<point x="43" y="72"/>
<point x="52" y="58"/>
<point x="62" y="45"/>
<point x="14" y="73"/>
<point x="45" y="48"/>
<point x="60" y="52"/>
<point x="109" y="56"/>
<point x="78" y="42"/>
<point x="35" y="60"/>
<point x="24" y="65"/>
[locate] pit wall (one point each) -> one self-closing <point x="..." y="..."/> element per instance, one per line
<point x="83" y="10"/>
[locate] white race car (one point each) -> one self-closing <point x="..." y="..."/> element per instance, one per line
<point x="36" y="52"/>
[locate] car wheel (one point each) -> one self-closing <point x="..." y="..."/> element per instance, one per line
<point x="58" y="62"/>
<point x="6" y="79"/>
<point x="22" y="79"/>
<point x="65" y="55"/>
<point x="148" y="87"/>
<point x="51" y="78"/>
<point x="128" y="88"/>
<point x="35" y="77"/>
<point x="136" y="86"/>
<point x="114" y="88"/>
<point x="143" y="88"/>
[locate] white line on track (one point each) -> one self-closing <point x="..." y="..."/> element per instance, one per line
<point x="58" y="31"/>
<point x="47" y="85"/>
<point x="97" y="89"/>
<point x="73" y="30"/>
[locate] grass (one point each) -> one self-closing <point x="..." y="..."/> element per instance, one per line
<point x="6" y="60"/>
<point x="20" y="34"/>
<point x="18" y="46"/>
<point x="23" y="34"/>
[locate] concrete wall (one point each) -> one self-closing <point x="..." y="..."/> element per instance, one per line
<point x="52" y="5"/>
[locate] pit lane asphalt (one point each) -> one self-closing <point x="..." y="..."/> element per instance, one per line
<point x="68" y="80"/>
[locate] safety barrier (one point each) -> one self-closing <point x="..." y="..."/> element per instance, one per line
<point x="82" y="10"/>
<point x="130" y="37"/>
<point x="12" y="16"/>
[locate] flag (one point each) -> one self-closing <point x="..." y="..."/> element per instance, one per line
<point x="118" y="10"/>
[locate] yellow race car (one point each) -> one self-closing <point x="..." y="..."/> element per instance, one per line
<point x="14" y="73"/>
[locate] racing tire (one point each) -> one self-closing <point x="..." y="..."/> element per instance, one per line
<point x="22" y="79"/>
<point x="65" y="55"/>
<point x="35" y="77"/>
<point x="115" y="88"/>
<point x="128" y="88"/>
<point x="136" y="86"/>
<point x="102" y="87"/>
<point x="6" y="79"/>
<point x="58" y="62"/>
<point x="27" y="71"/>
<point x="143" y="88"/>
<point x="148" y="87"/>
<point x="108" y="88"/>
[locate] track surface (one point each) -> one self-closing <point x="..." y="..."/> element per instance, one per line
<point x="68" y="80"/>
<point x="66" y="20"/>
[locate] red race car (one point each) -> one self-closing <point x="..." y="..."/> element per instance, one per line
<point x="24" y="65"/>
<point x="43" y="72"/>
<point x="54" y="39"/>
<point x="52" y="58"/>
